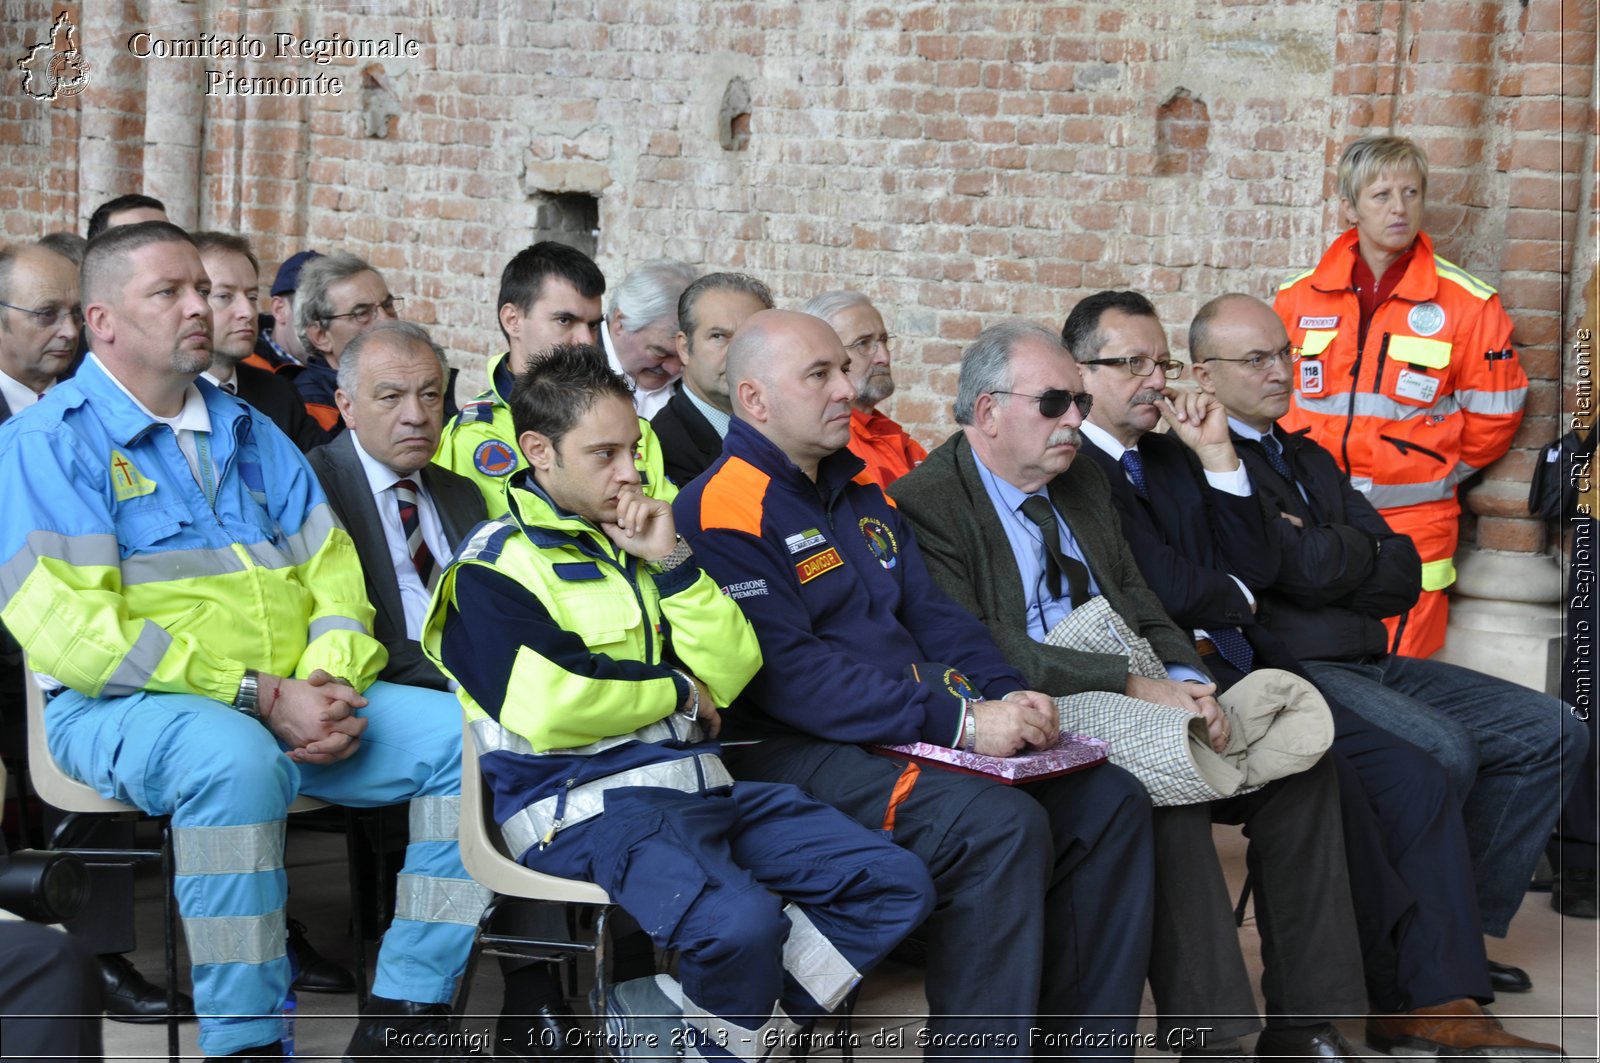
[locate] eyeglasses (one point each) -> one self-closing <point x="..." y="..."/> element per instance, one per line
<point x="1257" y="362"/>
<point x="867" y="344"/>
<point x="1054" y="402"/>
<point x="365" y="312"/>
<point x="1139" y="365"/>
<point x="48" y="317"/>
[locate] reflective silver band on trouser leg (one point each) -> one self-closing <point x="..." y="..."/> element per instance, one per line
<point x="426" y="899"/>
<point x="778" y="1037"/>
<point x="235" y="938"/>
<point x="813" y="962"/>
<point x="434" y="819"/>
<point x="240" y="850"/>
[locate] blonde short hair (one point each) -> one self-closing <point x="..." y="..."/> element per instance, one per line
<point x="1364" y="161"/>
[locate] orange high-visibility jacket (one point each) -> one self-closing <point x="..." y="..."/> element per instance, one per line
<point x="1434" y="395"/>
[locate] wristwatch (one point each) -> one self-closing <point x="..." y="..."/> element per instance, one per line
<point x="247" y="700"/>
<point x="680" y="554"/>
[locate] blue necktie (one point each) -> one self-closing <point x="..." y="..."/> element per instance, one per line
<point x="1234" y="647"/>
<point x="1134" y="465"/>
<point x="1275" y="457"/>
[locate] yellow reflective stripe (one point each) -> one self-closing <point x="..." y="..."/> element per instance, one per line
<point x="1416" y="350"/>
<point x="1292" y="281"/>
<point x="434" y="819"/>
<point x="811" y="959"/>
<point x="1316" y="340"/>
<point x="425" y="899"/>
<point x="139" y="664"/>
<point x="1492" y="403"/>
<point x="1462" y="277"/>
<point x="241" y="850"/>
<point x="235" y="938"/>
<point x="78" y="551"/>
<point x="1437" y="575"/>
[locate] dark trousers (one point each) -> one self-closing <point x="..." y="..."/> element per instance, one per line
<point x="1412" y="886"/>
<point x="1311" y="962"/>
<point x="49" y="995"/>
<point x="1044" y="897"/>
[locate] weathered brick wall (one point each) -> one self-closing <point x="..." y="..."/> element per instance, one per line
<point x="957" y="161"/>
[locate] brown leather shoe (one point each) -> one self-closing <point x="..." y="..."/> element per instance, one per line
<point x="1456" y="1028"/>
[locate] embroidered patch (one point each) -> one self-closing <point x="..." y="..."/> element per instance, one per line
<point x="1419" y="387"/>
<point x="750" y="588"/>
<point x="1426" y="319"/>
<point x="1320" y="322"/>
<point x="881" y="541"/>
<point x="804" y="540"/>
<point x="959" y="685"/>
<point x="817" y="564"/>
<point x="1311" y="377"/>
<point x="126" y="480"/>
<point x="494" y="458"/>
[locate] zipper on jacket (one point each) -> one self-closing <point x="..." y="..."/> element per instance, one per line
<point x="1350" y="409"/>
<point x="561" y="812"/>
<point x="1406" y="447"/>
<point x="1383" y="354"/>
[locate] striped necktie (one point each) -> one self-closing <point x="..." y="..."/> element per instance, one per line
<point x="405" y="492"/>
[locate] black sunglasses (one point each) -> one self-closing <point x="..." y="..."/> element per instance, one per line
<point x="1054" y="402"/>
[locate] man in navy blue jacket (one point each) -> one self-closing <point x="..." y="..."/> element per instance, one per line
<point x="1044" y="891"/>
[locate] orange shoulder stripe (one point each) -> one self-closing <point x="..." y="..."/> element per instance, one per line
<point x="733" y="498"/>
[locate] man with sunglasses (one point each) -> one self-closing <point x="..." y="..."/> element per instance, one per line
<point x="875" y="438"/>
<point x="1022" y="533"/>
<point x="339" y="296"/>
<point x="1342" y="570"/>
<point x="1201" y="539"/>
<point x="1043" y="889"/>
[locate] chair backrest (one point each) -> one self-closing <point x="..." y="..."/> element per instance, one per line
<point x="60" y="790"/>
<point x="54" y="786"/>
<point x="483" y="852"/>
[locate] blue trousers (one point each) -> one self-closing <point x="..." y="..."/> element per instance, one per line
<point x="226" y="783"/>
<point x="709" y="873"/>
<point x="1501" y="744"/>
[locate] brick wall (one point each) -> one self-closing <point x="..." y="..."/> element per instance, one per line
<point x="957" y="161"/>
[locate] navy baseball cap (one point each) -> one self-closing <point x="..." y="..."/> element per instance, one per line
<point x="288" y="278"/>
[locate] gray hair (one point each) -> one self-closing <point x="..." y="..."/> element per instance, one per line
<point x="311" y="303"/>
<point x="1369" y="158"/>
<point x="829" y="305"/>
<point x="381" y="332"/>
<point x="718" y="282"/>
<point x="986" y="363"/>
<point x="651" y="293"/>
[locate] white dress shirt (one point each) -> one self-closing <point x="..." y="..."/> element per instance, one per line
<point x="381" y="479"/>
<point x="645" y="403"/>
<point x="18" y="395"/>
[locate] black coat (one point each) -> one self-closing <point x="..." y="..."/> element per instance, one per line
<point x="278" y="399"/>
<point x="1340" y="573"/>
<point x="688" y="442"/>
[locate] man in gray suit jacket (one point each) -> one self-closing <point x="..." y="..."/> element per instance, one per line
<point x="1021" y="534"/>
<point x="406" y="515"/>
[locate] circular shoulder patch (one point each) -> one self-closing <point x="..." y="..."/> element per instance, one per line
<point x="880" y="540"/>
<point x="1426" y="319"/>
<point x="494" y="458"/>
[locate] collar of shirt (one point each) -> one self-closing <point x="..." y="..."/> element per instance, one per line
<point x="1241" y="429"/>
<point x="714" y="417"/>
<point x="194" y="417"/>
<point x="18" y="395"/>
<point x="645" y="402"/>
<point x="379" y="476"/>
<point x="1104" y="440"/>
<point x="279" y="351"/>
<point x="231" y="386"/>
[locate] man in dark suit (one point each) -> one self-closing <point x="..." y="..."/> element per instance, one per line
<point x="981" y="505"/>
<point x="235" y="273"/>
<point x="1201" y="540"/>
<point x="694" y="421"/>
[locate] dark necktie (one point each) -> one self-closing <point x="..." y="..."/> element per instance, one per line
<point x="1234" y="647"/>
<point x="1134" y="465"/>
<point x="1056" y="561"/>
<point x="1275" y="458"/>
<point x="405" y="492"/>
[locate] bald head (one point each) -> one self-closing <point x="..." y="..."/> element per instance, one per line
<point x="1224" y="309"/>
<point x="772" y="336"/>
<point x="1241" y="355"/>
<point x="786" y="373"/>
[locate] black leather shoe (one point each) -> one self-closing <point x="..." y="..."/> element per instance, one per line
<point x="130" y="998"/>
<point x="1504" y="978"/>
<point x="1573" y="893"/>
<point x="400" y="1029"/>
<point x="318" y="974"/>
<point x="549" y="1032"/>
<point x="1321" y="1041"/>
